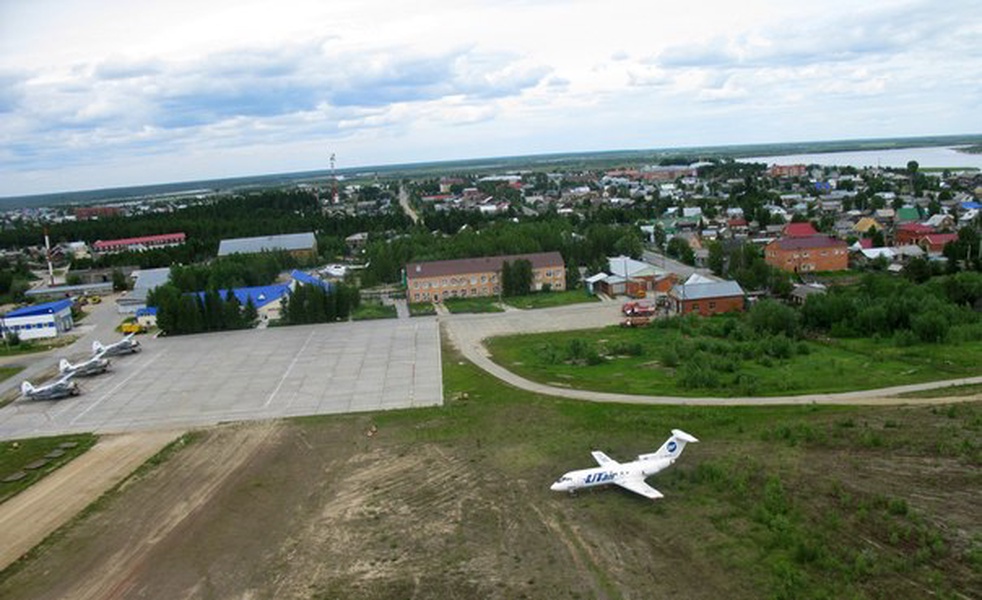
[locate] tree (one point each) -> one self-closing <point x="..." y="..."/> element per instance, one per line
<point x="717" y="258"/>
<point x="680" y="249"/>
<point x="119" y="281"/>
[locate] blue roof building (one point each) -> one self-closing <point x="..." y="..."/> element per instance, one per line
<point x="261" y="296"/>
<point x="308" y="279"/>
<point x="46" y="320"/>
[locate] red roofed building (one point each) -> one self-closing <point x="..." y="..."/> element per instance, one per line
<point x="911" y="233"/>
<point x="787" y="170"/>
<point x="469" y="277"/>
<point x="934" y="243"/>
<point x="799" y="230"/>
<point x="807" y="254"/>
<point x="139" y="244"/>
<point x="95" y="212"/>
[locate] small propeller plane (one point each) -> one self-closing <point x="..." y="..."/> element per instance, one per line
<point x="57" y="390"/>
<point x="629" y="475"/>
<point x="93" y="366"/>
<point x="127" y="345"/>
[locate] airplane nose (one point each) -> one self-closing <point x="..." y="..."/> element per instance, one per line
<point x="555" y="487"/>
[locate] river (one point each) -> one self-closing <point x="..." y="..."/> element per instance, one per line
<point x="937" y="156"/>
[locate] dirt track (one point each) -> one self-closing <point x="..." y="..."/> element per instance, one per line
<point x="29" y="517"/>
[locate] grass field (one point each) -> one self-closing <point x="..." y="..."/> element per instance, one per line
<point x="373" y="310"/>
<point x="472" y="305"/>
<point x="663" y="361"/>
<point x="7" y="372"/>
<point x="972" y="389"/>
<point x="550" y="299"/>
<point x="453" y="502"/>
<point x="17" y="457"/>
<point x="424" y="309"/>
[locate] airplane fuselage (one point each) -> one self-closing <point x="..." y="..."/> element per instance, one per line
<point x="586" y="478"/>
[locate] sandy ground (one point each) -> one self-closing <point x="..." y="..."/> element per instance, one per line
<point x="29" y="517"/>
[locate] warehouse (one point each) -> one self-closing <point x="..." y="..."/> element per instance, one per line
<point x="47" y="320"/>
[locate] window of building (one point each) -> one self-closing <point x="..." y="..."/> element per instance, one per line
<point x="712" y="305"/>
<point x="484" y="278"/>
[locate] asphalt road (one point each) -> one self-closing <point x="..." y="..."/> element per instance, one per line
<point x="218" y="377"/>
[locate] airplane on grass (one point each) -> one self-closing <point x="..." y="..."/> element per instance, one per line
<point x="127" y="345"/>
<point x="62" y="388"/>
<point x="629" y="475"/>
<point x="93" y="366"/>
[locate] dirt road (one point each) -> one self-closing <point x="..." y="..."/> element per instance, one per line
<point x="29" y="517"/>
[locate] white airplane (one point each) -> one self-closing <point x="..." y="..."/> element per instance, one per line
<point x="630" y="475"/>
<point x="126" y="345"/>
<point x="62" y="388"/>
<point x="93" y="366"/>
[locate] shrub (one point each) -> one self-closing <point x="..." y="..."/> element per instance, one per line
<point x="670" y="357"/>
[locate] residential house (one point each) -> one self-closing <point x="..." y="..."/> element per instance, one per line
<point x="807" y="254"/>
<point x="707" y="297"/>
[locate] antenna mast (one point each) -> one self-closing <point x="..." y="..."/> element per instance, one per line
<point x="334" y="179"/>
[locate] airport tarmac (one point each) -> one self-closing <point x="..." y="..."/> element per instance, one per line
<point x="205" y="379"/>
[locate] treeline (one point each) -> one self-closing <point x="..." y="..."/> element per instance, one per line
<point x="183" y="313"/>
<point x="580" y="245"/>
<point x="943" y="309"/>
<point x="234" y="271"/>
<point x="269" y="212"/>
<point x="315" y="304"/>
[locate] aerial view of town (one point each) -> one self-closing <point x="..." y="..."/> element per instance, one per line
<point x="341" y="302"/>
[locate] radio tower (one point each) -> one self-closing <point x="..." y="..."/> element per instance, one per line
<point x="334" y="179"/>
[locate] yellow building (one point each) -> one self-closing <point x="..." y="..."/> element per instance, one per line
<point x="437" y="280"/>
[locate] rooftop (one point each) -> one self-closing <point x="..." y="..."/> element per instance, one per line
<point x="486" y="264"/>
<point x="267" y="243"/>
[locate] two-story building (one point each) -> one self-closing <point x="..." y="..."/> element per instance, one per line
<point x="807" y="254"/>
<point x="433" y="281"/>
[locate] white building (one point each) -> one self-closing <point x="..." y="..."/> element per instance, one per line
<point x="47" y="320"/>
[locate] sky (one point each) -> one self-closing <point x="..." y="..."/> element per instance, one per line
<point x="110" y="93"/>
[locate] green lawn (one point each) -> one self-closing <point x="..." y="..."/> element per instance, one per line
<point x="472" y="305"/>
<point x="32" y="346"/>
<point x="373" y="310"/>
<point x="659" y="361"/>
<point x="422" y="309"/>
<point x="18" y="456"/>
<point x="550" y="299"/>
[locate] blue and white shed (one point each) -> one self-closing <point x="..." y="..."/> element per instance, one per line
<point x="46" y="320"/>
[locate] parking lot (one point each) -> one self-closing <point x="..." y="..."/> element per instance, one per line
<point x="244" y="375"/>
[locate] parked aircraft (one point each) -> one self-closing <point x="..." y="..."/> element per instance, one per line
<point x="629" y="475"/>
<point x="126" y="345"/>
<point x="93" y="366"/>
<point x="62" y="388"/>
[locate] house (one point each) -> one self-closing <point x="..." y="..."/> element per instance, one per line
<point x="647" y="277"/>
<point x="46" y="320"/>
<point x="908" y="214"/>
<point x="707" y="297"/>
<point x="934" y="243"/>
<point x="146" y="317"/>
<point x="807" y="254"/>
<point x="434" y="281"/>
<point x="865" y="224"/>
<point x="911" y="233"/>
<point x="795" y="230"/>
<point x="301" y="278"/>
<point x="801" y="292"/>
<point x="300" y="245"/>
<point x="146" y="280"/>
<point x="139" y="244"/>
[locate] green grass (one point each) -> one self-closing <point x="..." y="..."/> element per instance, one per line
<point x="15" y="455"/>
<point x="763" y="497"/>
<point x="33" y="346"/>
<point x="550" y="299"/>
<point x="8" y="372"/>
<point x="373" y="310"/>
<point x="662" y="361"/>
<point x="472" y="305"/>
<point x="422" y="309"/>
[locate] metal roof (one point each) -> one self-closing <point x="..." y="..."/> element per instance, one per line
<point x="487" y="264"/>
<point x="267" y="243"/>
<point x="308" y="279"/>
<point x="700" y="291"/>
<point x="260" y="295"/>
<point x="46" y="308"/>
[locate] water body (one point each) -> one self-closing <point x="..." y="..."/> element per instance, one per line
<point x="938" y="157"/>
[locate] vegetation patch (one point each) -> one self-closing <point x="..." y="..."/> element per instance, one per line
<point x="37" y="458"/>
<point x="971" y="389"/>
<point x="550" y="299"/>
<point x="472" y="305"/>
<point x="373" y="310"/>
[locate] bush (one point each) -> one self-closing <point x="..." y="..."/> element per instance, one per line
<point x="670" y="357"/>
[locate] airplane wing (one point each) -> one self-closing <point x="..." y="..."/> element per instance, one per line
<point x="638" y="486"/>
<point x="63" y="380"/>
<point x="603" y="460"/>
